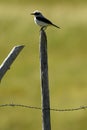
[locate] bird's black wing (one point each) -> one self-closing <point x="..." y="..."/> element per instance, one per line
<point x="43" y="19"/>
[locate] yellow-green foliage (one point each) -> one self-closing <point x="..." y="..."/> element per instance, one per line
<point x="67" y="53"/>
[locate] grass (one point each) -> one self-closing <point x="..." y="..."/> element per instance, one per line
<point x="67" y="52"/>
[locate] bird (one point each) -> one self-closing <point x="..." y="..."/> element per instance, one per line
<point x="40" y="20"/>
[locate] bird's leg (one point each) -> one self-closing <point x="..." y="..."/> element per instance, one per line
<point x="43" y="28"/>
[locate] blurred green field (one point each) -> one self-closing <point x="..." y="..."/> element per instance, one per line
<point x="67" y="53"/>
<point x="50" y="2"/>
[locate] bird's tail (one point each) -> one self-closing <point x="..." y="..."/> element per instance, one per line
<point x="56" y="26"/>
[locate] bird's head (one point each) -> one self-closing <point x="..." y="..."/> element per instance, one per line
<point x="36" y="13"/>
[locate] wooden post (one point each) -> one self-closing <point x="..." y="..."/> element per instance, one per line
<point x="46" y="125"/>
<point x="9" y="60"/>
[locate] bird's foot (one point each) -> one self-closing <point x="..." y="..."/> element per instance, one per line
<point x="43" y="28"/>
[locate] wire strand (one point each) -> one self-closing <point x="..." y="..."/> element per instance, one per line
<point x="39" y="108"/>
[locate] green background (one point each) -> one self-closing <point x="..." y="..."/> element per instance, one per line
<point x="67" y="58"/>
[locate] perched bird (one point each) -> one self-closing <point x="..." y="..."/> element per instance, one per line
<point x="40" y="20"/>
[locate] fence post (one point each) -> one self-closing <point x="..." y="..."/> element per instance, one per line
<point x="9" y="60"/>
<point x="46" y="125"/>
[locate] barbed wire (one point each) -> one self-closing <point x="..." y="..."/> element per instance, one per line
<point x="39" y="108"/>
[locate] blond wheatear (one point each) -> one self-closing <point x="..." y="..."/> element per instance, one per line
<point x="40" y="20"/>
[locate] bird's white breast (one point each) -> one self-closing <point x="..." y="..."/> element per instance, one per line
<point x="40" y="23"/>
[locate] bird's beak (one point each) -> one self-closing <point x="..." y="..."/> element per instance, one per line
<point x="32" y="13"/>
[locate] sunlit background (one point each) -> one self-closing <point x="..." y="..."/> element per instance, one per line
<point x="67" y="57"/>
